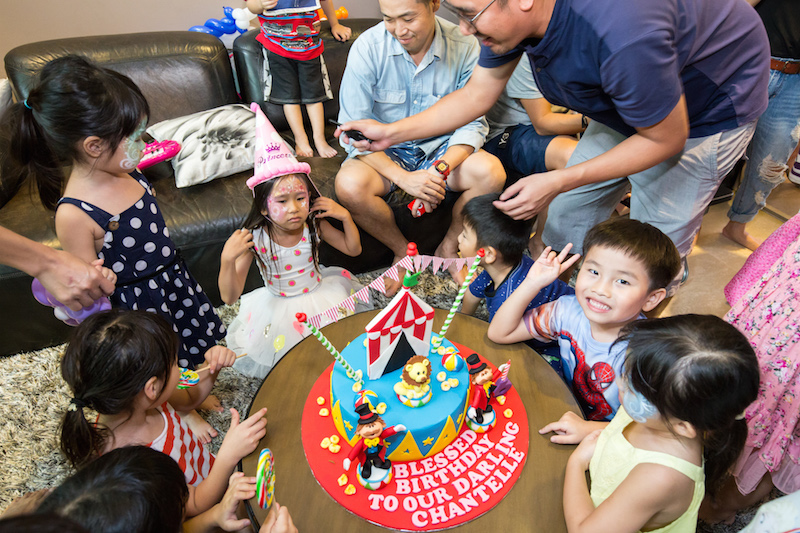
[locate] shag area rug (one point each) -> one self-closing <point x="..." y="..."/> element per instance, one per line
<point x="34" y="397"/>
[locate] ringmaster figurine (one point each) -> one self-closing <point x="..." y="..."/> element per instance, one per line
<point x="485" y="385"/>
<point x="371" y="448"/>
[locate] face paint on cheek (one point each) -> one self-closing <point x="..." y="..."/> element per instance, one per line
<point x="134" y="145"/>
<point x="277" y="211"/>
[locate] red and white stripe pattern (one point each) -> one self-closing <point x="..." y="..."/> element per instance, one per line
<point x="178" y="441"/>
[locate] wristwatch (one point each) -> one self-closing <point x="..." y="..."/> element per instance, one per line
<point x="442" y="167"/>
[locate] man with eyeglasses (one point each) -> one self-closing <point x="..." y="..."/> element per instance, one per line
<point x="673" y="88"/>
<point x="400" y="67"/>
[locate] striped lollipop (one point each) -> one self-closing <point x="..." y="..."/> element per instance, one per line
<point x="265" y="478"/>
<point x="189" y="378"/>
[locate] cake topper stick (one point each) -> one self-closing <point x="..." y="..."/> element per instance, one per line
<point x="301" y="317"/>
<point x="437" y="341"/>
<point x="410" y="279"/>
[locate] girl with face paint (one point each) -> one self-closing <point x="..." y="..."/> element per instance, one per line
<point x="687" y="382"/>
<point x="281" y="233"/>
<point x="91" y="119"/>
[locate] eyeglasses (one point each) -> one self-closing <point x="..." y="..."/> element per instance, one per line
<point x="469" y="20"/>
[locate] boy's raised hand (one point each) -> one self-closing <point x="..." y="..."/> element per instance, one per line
<point x="242" y="438"/>
<point x="237" y="244"/>
<point x="549" y="265"/>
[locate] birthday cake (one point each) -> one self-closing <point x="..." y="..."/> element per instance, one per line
<point x="433" y="412"/>
<point x="410" y="430"/>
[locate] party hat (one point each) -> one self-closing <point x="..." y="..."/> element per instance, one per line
<point x="273" y="158"/>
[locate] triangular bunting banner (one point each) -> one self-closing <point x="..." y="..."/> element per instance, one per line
<point x="447" y="262"/>
<point x="378" y="285"/>
<point x="363" y="295"/>
<point x="424" y="261"/>
<point x="392" y="273"/>
<point x="437" y="263"/>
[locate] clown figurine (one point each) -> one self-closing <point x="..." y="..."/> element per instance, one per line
<point x="485" y="385"/>
<point x="371" y="448"/>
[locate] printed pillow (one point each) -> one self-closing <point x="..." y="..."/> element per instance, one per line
<point x="214" y="143"/>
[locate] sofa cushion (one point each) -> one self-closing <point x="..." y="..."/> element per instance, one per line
<point x="214" y="143"/>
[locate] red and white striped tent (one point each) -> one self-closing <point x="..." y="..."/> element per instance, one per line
<point x="406" y="317"/>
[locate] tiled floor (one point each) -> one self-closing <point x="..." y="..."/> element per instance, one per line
<point x="715" y="259"/>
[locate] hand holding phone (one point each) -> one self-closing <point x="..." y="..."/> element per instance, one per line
<point x="353" y="134"/>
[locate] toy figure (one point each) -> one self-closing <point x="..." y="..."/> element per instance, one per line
<point x="486" y="385"/>
<point x="372" y="430"/>
<point x="414" y="384"/>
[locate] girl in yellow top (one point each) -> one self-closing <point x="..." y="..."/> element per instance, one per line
<point x="687" y="380"/>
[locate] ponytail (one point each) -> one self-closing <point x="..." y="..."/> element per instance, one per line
<point x="721" y="449"/>
<point x="27" y="153"/>
<point x="107" y="363"/>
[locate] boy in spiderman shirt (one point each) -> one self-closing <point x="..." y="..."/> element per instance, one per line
<point x="626" y="269"/>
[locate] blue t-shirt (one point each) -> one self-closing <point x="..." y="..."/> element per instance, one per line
<point x="483" y="287"/>
<point x="626" y="63"/>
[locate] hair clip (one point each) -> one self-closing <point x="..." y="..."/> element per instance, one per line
<point x="25" y="103"/>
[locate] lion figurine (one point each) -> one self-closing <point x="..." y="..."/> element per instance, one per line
<point x="416" y="378"/>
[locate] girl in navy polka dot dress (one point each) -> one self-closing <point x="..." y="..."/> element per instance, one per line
<point x="91" y="119"/>
<point x="280" y="233"/>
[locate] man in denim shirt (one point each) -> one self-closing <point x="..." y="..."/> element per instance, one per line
<point x="394" y="70"/>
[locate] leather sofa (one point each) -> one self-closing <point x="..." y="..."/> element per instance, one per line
<point x="179" y="73"/>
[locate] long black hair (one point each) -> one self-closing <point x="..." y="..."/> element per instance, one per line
<point x="134" y="488"/>
<point x="256" y="220"/>
<point x="699" y="369"/>
<point x="108" y="361"/>
<point x="73" y="99"/>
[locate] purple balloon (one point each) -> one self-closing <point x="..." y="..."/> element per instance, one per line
<point x="64" y="313"/>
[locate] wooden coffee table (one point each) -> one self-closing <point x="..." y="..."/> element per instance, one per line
<point x="534" y="503"/>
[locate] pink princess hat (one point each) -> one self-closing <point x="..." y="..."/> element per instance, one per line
<point x="273" y="158"/>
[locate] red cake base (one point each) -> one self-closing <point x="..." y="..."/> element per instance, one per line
<point x="462" y="482"/>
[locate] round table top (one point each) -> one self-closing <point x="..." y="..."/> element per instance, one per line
<point x="535" y="500"/>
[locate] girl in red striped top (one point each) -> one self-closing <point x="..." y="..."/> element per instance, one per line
<point x="124" y="365"/>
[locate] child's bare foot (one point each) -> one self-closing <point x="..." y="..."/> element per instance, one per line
<point x="211" y="403"/>
<point x="325" y="149"/>
<point x="303" y="149"/>
<point x="735" y="231"/>
<point x="201" y="429"/>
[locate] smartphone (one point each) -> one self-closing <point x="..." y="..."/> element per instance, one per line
<point x="353" y="134"/>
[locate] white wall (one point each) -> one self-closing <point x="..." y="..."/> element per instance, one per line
<point x="25" y="22"/>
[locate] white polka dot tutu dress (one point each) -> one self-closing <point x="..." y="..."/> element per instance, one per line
<point x="265" y="327"/>
<point x="151" y="276"/>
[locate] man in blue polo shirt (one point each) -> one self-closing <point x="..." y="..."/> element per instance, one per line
<point x="673" y="88"/>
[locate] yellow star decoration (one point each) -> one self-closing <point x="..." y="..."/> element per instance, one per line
<point x="428" y="441"/>
<point x="348" y="425"/>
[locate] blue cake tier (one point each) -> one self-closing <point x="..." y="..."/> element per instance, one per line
<point x="430" y="428"/>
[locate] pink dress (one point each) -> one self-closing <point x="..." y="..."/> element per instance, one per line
<point x="763" y="258"/>
<point x="769" y="316"/>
